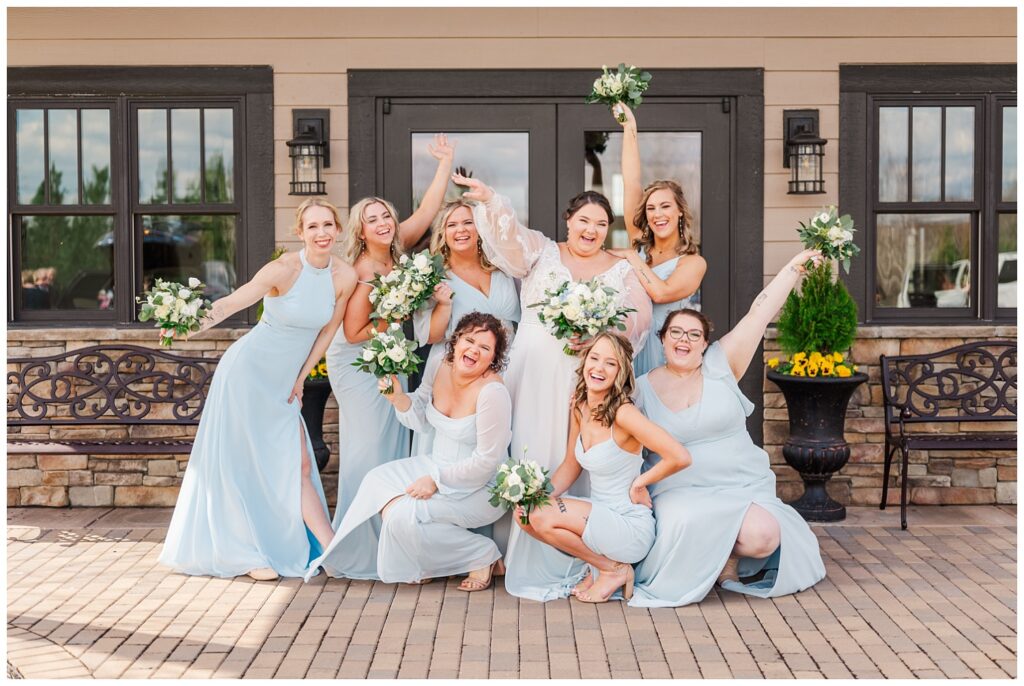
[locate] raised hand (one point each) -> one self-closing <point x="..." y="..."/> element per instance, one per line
<point x="624" y="115"/>
<point x="804" y="260"/>
<point x="443" y="293"/>
<point x="478" y="190"/>
<point x="441" y="149"/>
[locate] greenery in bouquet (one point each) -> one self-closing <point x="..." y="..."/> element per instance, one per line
<point x="818" y="324"/>
<point x="624" y="84"/>
<point x="582" y="309"/>
<point x="410" y="284"/>
<point x="174" y="307"/>
<point x="521" y="484"/>
<point x="387" y="353"/>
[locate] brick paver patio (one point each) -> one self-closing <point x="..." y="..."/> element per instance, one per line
<point x="86" y="596"/>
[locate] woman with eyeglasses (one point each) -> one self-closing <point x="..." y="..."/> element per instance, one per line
<point x="720" y="519"/>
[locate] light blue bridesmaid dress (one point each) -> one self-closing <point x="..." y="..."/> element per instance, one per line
<point x="369" y="435"/>
<point x="423" y="539"/>
<point x="652" y="355"/>
<point x="502" y="301"/>
<point x="700" y="509"/>
<point x="239" y="507"/>
<point x="617" y="527"/>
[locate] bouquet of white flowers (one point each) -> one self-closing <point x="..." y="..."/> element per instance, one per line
<point x="175" y="308"/>
<point x="626" y="84"/>
<point x="388" y="352"/>
<point x="582" y="309"/>
<point x="524" y="484"/>
<point x="831" y="234"/>
<point x="407" y="287"/>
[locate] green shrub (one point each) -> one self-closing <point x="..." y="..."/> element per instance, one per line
<point x="822" y="317"/>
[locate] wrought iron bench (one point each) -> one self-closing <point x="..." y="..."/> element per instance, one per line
<point x="103" y="387"/>
<point x="974" y="382"/>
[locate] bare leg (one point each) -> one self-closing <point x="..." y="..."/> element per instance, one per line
<point x="313" y="512"/>
<point x="759" y="537"/>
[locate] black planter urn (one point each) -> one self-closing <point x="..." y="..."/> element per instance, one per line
<point x="816" y="447"/>
<point x="314" y="400"/>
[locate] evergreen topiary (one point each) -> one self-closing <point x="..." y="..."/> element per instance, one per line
<point x="822" y="317"/>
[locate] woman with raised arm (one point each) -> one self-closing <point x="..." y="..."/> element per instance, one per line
<point x="665" y="254"/>
<point x="474" y="285"/>
<point x="540" y="375"/>
<point x="368" y="432"/>
<point x="427" y="503"/>
<point x="721" y="519"/>
<point x="250" y="495"/>
<point x="614" y="527"/>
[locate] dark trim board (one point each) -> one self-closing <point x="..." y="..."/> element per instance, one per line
<point x="743" y="89"/>
<point x="163" y="81"/>
<point x="930" y="78"/>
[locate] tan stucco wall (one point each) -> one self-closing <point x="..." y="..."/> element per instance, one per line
<point x="311" y="49"/>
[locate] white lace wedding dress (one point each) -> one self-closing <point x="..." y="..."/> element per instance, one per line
<point x="540" y="376"/>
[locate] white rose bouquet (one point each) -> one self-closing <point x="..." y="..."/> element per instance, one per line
<point x="407" y="287"/>
<point x="521" y="484"/>
<point x="582" y="309"/>
<point x="388" y="352"/>
<point x="175" y="308"/>
<point x="831" y="234"/>
<point x="625" y="84"/>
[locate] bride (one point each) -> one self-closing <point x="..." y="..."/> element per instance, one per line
<point x="540" y="375"/>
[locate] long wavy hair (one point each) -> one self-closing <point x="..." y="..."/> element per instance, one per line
<point x="621" y="392"/>
<point x="685" y="242"/>
<point x="438" y="245"/>
<point x="354" y="245"/>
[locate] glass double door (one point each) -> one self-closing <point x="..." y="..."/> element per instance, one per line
<point x="541" y="154"/>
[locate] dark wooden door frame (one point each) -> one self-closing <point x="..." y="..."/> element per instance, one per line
<point x="370" y="93"/>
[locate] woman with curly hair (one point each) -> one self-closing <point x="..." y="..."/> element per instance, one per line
<point x="424" y="506"/>
<point x="665" y="254"/>
<point x="613" y="528"/>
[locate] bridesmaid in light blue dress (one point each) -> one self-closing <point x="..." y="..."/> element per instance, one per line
<point x="720" y="520"/>
<point x="614" y="527"/>
<point x="250" y="502"/>
<point x="475" y="286"/>
<point x="419" y="510"/>
<point x="369" y="434"/>
<point x="665" y="255"/>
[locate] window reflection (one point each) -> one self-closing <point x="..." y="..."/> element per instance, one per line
<point x="67" y="263"/>
<point x="501" y="160"/>
<point x="923" y="260"/>
<point x="219" y="144"/>
<point x="185" y="155"/>
<point x="1006" y="261"/>
<point x="927" y="177"/>
<point x="959" y="153"/>
<point x="893" y="136"/>
<point x="152" y="156"/>
<point x="176" y="247"/>
<point x="63" y="141"/>
<point x="1009" y="190"/>
<point x="30" y="152"/>
<point x="95" y="157"/>
<point x="663" y="155"/>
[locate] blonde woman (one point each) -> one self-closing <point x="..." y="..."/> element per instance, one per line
<point x="250" y="493"/>
<point x="665" y="253"/>
<point x="614" y="527"/>
<point x="475" y="285"/>
<point x="369" y="433"/>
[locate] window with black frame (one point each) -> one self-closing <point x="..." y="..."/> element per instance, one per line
<point x="152" y="172"/>
<point x="944" y="225"/>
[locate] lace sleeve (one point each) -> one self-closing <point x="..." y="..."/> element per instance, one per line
<point x="512" y="247"/>
<point x="638" y="324"/>
<point x="493" y="434"/>
<point x="416" y="416"/>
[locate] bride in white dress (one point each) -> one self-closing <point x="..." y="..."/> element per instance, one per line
<point x="540" y="376"/>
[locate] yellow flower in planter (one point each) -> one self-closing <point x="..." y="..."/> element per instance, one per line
<point x="843" y="371"/>
<point x="816" y="358"/>
<point x="773" y="363"/>
<point x="812" y="369"/>
<point x="322" y="368"/>
<point x="837" y="357"/>
<point x="799" y="370"/>
<point x="799" y="357"/>
<point x="827" y="368"/>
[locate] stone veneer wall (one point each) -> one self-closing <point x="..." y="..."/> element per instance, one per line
<point x="936" y="477"/>
<point x="121" y="480"/>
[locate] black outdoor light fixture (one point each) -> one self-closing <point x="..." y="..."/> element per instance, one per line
<point x="309" y="151"/>
<point x="804" y="152"/>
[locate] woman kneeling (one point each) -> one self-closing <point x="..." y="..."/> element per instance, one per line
<point x="614" y="528"/>
<point x="428" y="503"/>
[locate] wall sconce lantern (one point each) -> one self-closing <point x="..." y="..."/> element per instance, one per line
<point x="309" y="151"/>
<point x="804" y="152"/>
